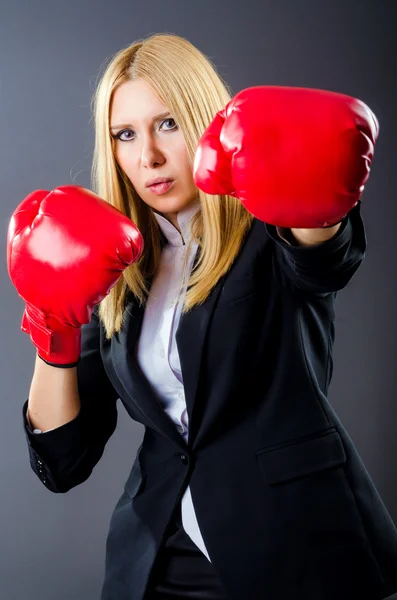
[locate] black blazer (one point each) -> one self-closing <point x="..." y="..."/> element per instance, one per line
<point x="286" y="508"/>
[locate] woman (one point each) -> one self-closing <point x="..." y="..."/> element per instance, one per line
<point x="214" y="325"/>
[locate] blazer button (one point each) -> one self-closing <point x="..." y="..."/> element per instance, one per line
<point x="184" y="459"/>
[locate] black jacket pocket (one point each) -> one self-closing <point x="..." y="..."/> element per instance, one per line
<point x="301" y="458"/>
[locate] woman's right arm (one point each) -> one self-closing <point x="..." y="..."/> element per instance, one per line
<point x="66" y="249"/>
<point x="54" y="396"/>
<point x="76" y="409"/>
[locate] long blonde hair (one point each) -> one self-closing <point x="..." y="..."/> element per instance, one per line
<point x="187" y="83"/>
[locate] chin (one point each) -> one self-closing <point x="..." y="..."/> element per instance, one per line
<point x="169" y="205"/>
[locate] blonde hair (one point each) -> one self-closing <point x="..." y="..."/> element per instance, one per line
<point x="187" y="83"/>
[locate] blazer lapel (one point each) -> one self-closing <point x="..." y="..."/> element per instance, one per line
<point x="190" y="338"/>
<point x="133" y="380"/>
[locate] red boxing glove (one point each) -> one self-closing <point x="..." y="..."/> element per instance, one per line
<point x="295" y="157"/>
<point x="65" y="250"/>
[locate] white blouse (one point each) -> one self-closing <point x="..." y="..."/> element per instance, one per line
<point x="157" y="352"/>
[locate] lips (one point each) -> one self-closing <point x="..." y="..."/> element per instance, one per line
<point x="158" y="180"/>
<point x="161" y="188"/>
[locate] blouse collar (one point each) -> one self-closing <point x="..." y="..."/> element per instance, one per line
<point x="184" y="217"/>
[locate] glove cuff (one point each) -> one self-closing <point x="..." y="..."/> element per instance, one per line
<point x="57" y="344"/>
<point x="328" y="226"/>
<point x="59" y="366"/>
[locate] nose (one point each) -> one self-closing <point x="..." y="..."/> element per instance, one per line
<point x="151" y="154"/>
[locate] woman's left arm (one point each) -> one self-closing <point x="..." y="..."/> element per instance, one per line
<point x="307" y="237"/>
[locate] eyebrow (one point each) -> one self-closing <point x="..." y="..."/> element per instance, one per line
<point x="156" y="118"/>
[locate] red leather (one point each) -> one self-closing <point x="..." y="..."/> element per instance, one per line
<point x="295" y="157"/>
<point x="66" y="249"/>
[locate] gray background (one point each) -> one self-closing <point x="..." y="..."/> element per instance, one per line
<point x="52" y="545"/>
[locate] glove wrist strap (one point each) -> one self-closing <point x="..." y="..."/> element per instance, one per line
<point x="56" y="343"/>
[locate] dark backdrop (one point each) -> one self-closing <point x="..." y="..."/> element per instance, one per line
<point x="51" y="51"/>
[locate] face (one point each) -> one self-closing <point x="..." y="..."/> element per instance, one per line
<point x="148" y="144"/>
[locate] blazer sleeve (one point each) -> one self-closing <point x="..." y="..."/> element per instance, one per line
<point x="325" y="267"/>
<point x="64" y="457"/>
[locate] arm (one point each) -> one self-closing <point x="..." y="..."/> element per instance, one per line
<point x="64" y="456"/>
<point x="53" y="397"/>
<point x="307" y="237"/>
<point x="320" y="268"/>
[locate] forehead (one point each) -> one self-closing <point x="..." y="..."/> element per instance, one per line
<point x="135" y="100"/>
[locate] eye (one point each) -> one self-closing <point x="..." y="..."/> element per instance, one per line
<point x="120" y="133"/>
<point x="170" y="119"/>
<point x="118" y="136"/>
